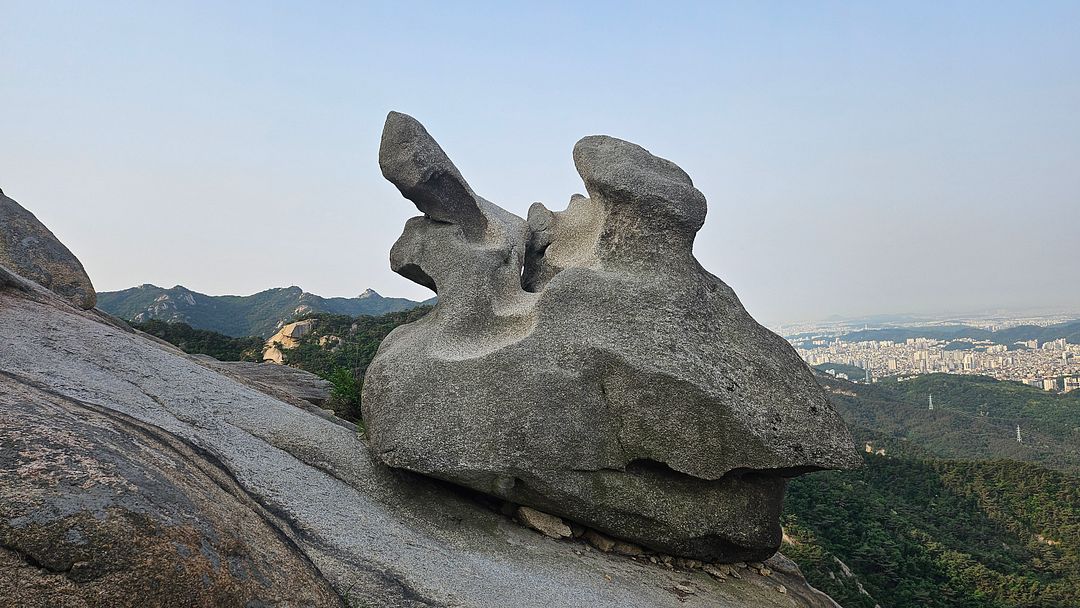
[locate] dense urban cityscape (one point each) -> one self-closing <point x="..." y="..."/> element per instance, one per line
<point x="846" y="352"/>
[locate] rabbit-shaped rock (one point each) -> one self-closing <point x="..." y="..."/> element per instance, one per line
<point x="582" y="362"/>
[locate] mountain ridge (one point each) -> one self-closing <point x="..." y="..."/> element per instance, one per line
<point x="259" y="314"/>
<point x="1070" y="330"/>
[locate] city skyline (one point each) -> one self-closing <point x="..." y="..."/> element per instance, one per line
<point x="1052" y="365"/>
<point x="857" y="160"/>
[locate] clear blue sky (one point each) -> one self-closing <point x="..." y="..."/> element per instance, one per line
<point x="858" y="157"/>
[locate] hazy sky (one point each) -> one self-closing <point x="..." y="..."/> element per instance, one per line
<point x="857" y="157"/>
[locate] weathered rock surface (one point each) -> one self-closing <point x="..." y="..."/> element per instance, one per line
<point x="98" y="509"/>
<point x="240" y="491"/>
<point x="546" y="524"/>
<point x="30" y="250"/>
<point x="287" y="337"/>
<point x="583" y="363"/>
<point x="286" y="383"/>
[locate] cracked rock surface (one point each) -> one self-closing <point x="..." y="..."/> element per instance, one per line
<point x="582" y="362"/>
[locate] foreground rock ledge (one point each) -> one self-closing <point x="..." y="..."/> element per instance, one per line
<point x="582" y="362"/>
<point x="30" y="249"/>
<point x="142" y="477"/>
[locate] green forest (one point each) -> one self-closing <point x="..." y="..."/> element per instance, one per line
<point x="339" y="348"/>
<point x="259" y="314"/>
<point x="974" y="417"/>
<point x="204" y="342"/>
<point x="914" y="532"/>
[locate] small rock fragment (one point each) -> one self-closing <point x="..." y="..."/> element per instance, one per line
<point x="576" y="530"/>
<point x="546" y="524"/>
<point x="684" y="588"/>
<point x="599" y="541"/>
<point x="781" y="588"/>
<point x="714" y="571"/>
<point x="624" y="548"/>
<point x="783" y="565"/>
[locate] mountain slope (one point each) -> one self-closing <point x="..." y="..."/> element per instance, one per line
<point x="974" y="417"/>
<point x="946" y="516"/>
<point x="913" y="532"/>
<point x="259" y="314"/>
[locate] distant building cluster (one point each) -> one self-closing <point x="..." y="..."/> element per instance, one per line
<point x="1052" y="366"/>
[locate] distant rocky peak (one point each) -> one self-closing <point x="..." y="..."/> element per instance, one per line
<point x="181" y="293"/>
<point x="290" y="289"/>
<point x="369" y="293"/>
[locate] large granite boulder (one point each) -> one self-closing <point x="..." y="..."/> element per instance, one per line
<point x="30" y="250"/>
<point x="583" y="362"/>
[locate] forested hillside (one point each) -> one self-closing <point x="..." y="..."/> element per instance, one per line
<point x="974" y="417"/>
<point x="339" y="348"/>
<point x="203" y="342"/>
<point x="259" y="314"/>
<point x="918" y="533"/>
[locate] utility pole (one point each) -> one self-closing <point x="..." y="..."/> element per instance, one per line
<point x="931" y="408"/>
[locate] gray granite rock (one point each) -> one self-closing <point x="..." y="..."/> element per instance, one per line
<point x="250" y="486"/>
<point x="583" y="362"/>
<point x="99" y="509"/>
<point x="281" y="381"/>
<point x="30" y="250"/>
